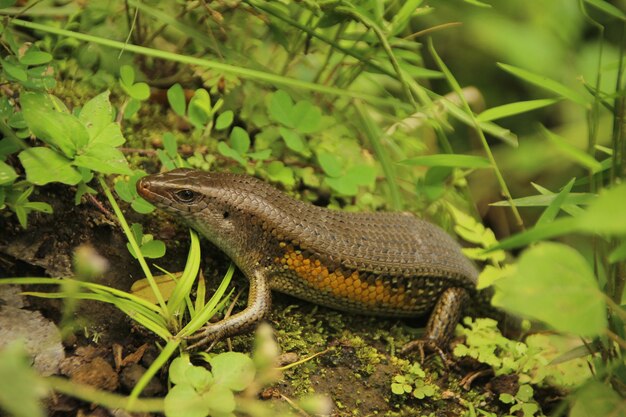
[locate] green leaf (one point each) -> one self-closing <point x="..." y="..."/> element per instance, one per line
<point x="233" y="370"/>
<point x="57" y="128"/>
<point x="220" y="400"/>
<point x="34" y="57"/>
<point x="43" y="166"/>
<point x="513" y="109"/>
<point x="618" y="254"/>
<point x="169" y="144"/>
<point x="448" y="160"/>
<point x="293" y="140"/>
<point x="127" y="75"/>
<point x="260" y="155"/>
<point x="555" y="284"/>
<point x="199" y="108"/>
<point x="176" y="98"/>
<point x="397" y="389"/>
<point x="546" y="83"/>
<point x="142" y="206"/>
<point x="97" y="114"/>
<point x="577" y="155"/>
<point x="184" y="401"/>
<point x="224" y="120"/>
<point x="596" y="399"/>
<point x="3" y="5"/>
<point x="104" y="159"/>
<point x="277" y="171"/>
<point x="21" y="389"/>
<point x="38" y="206"/>
<point x="553" y="209"/>
<point x="609" y="9"/>
<point x="281" y="108"/>
<point x="330" y="164"/>
<point x="153" y="249"/>
<point x="139" y="91"/>
<point x="13" y="70"/>
<point x="7" y="173"/>
<point x="229" y="152"/>
<point x="178" y="370"/>
<point x="132" y="107"/>
<point x="306" y="117"/>
<point x="604" y="215"/>
<point x="198" y="377"/>
<point x="558" y="227"/>
<point x="240" y="140"/>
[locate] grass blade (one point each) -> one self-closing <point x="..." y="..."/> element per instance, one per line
<point x="449" y="160"/>
<point x="513" y="109"/>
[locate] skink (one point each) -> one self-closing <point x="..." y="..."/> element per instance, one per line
<point x="383" y="264"/>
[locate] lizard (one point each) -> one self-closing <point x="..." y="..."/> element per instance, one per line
<point x="388" y="264"/>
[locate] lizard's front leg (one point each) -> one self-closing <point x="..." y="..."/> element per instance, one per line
<point x="259" y="304"/>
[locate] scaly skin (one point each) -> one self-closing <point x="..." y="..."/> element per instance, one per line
<point x="384" y="264"/>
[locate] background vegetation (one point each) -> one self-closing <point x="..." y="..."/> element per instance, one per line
<point x="502" y="121"/>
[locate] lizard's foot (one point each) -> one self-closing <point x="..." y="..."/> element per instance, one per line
<point x="207" y="335"/>
<point x="426" y="345"/>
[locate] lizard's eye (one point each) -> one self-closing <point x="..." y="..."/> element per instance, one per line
<point x="185" y="196"/>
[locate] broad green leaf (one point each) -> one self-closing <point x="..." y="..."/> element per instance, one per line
<point x="97" y="114"/>
<point x="220" y="399"/>
<point x="178" y="370"/>
<point x="229" y="152"/>
<point x="176" y="98"/>
<point x="199" y="108"/>
<point x="240" y="140"/>
<point x="21" y="389"/>
<point x="553" y="209"/>
<point x="43" y="165"/>
<point x="281" y="108"/>
<point x="14" y="70"/>
<point x="306" y="117"/>
<point x="7" y="173"/>
<point x="605" y="215"/>
<point x="293" y="140"/>
<point x="554" y="283"/>
<point x="104" y="159"/>
<point x="607" y="8"/>
<point x="110" y="135"/>
<point x="546" y="83"/>
<point x="224" y="120"/>
<point x="57" y="128"/>
<point x="199" y="377"/>
<point x="596" y="399"/>
<point x="233" y="370"/>
<point x="448" y="160"/>
<point x="513" y="109"/>
<point x="34" y="57"/>
<point x="153" y="249"/>
<point x="260" y="155"/>
<point x="577" y="155"/>
<point x="330" y="164"/>
<point x="183" y="401"/>
<point x="139" y="91"/>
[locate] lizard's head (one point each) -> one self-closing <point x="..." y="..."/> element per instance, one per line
<point x="201" y="199"/>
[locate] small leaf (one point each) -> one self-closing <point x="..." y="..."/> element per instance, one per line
<point x="229" y="152"/>
<point x="240" y="140"/>
<point x="292" y="140"/>
<point x="127" y="75"/>
<point x="169" y="144"/>
<point x="104" y="159"/>
<point x="220" y="399"/>
<point x="448" y="160"/>
<point x="555" y="284"/>
<point x="14" y="70"/>
<point x="306" y="117"/>
<point x="330" y="164"/>
<point x="183" y="401"/>
<point x="43" y="165"/>
<point x="34" y="57"/>
<point x="553" y="209"/>
<point x="224" y="120"/>
<point x="281" y="108"/>
<point x="153" y="249"/>
<point x="139" y="91"/>
<point x="513" y="109"/>
<point x="176" y="98"/>
<point x="7" y="173"/>
<point x="277" y="171"/>
<point x="233" y="370"/>
<point x="545" y="82"/>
